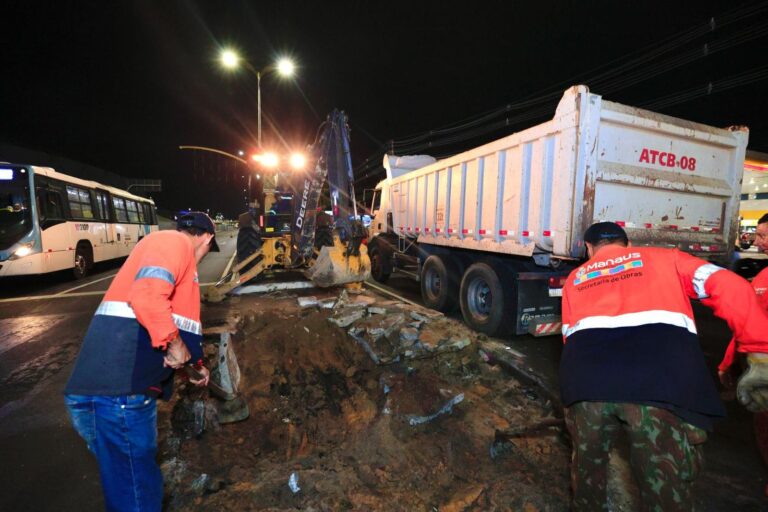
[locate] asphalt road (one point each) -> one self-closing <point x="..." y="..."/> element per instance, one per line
<point x="45" y="466"/>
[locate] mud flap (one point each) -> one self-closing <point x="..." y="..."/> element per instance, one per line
<point x="333" y="267"/>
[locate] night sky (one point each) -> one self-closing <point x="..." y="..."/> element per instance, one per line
<point x="121" y="84"/>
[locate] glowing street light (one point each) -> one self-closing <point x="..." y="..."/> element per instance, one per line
<point x="285" y="67"/>
<point x="266" y="159"/>
<point x="231" y="60"/>
<point x="298" y="161"/>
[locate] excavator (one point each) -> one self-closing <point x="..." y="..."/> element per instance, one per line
<point x="328" y="248"/>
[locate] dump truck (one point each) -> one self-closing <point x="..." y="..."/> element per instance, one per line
<point x="329" y="249"/>
<point x="495" y="230"/>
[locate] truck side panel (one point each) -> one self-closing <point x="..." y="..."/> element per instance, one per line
<point x="670" y="182"/>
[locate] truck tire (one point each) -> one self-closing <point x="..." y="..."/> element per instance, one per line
<point x="485" y="306"/>
<point x="380" y="270"/>
<point x="83" y="260"/>
<point x="248" y="242"/>
<point x="440" y="283"/>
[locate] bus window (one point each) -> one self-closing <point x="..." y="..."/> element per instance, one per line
<point x="51" y="205"/>
<point x="120" y="212"/>
<point x="141" y="213"/>
<point x="133" y="211"/>
<point x="149" y="214"/>
<point x="101" y="205"/>
<point x="79" y="203"/>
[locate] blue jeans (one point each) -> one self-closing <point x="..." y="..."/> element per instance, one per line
<point x="121" y="431"/>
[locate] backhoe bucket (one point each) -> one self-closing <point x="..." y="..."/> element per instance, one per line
<point x="333" y="267"/>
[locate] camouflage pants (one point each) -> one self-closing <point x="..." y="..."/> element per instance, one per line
<point x="665" y="454"/>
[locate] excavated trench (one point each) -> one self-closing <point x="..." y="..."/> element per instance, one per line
<point x="330" y="429"/>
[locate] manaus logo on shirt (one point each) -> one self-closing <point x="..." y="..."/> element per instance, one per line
<point x="609" y="267"/>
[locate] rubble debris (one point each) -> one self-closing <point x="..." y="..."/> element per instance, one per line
<point x="307" y="302"/>
<point x="335" y="408"/>
<point x="293" y="483"/>
<point x="384" y="327"/>
<point x="342" y="300"/>
<point x="446" y="409"/>
<point x="345" y="317"/>
<point x="365" y="300"/>
<point x="376" y="310"/>
<point x="200" y="483"/>
<point x="409" y="335"/>
<point x="326" y="303"/>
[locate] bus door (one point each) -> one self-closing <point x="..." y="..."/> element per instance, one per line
<point x="54" y="232"/>
<point x="107" y="229"/>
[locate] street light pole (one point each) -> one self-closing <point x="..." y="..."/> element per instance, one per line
<point x="284" y="67"/>
<point x="258" y="101"/>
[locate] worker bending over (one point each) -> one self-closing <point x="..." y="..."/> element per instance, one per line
<point x="632" y="361"/>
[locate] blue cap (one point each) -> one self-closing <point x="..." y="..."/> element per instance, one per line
<point x="200" y="221"/>
<point x="605" y="232"/>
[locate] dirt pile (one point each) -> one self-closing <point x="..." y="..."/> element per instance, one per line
<point x="330" y="429"/>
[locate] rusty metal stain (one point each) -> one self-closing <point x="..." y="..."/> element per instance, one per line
<point x="643" y="176"/>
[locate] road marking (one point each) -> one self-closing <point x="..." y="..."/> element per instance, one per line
<point x="86" y="284"/>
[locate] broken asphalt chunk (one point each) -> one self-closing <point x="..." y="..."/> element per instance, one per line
<point x="347" y="317"/>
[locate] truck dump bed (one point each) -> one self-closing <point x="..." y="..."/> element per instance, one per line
<point x="669" y="182"/>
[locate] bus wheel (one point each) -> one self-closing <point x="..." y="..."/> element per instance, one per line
<point x="83" y="261"/>
<point x="439" y="283"/>
<point x="483" y="301"/>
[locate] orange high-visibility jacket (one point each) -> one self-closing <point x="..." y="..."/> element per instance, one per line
<point x="760" y="285"/>
<point x="630" y="334"/>
<point x="154" y="297"/>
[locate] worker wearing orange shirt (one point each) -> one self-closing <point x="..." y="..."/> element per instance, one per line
<point x="632" y="361"/>
<point x="147" y="326"/>
<point x="725" y="369"/>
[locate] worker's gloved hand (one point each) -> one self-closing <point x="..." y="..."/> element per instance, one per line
<point x="752" y="389"/>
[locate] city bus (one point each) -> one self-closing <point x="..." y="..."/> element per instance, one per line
<point x="50" y="221"/>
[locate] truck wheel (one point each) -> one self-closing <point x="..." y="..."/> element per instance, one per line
<point x="484" y="305"/>
<point x="379" y="269"/>
<point x="439" y="283"/>
<point x="83" y="261"/>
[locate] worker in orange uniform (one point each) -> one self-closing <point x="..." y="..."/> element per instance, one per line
<point x="147" y="326"/>
<point x="632" y="361"/>
<point x="725" y="369"/>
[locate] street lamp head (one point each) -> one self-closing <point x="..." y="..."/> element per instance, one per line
<point x="298" y="161"/>
<point x="266" y="159"/>
<point x="286" y="67"/>
<point x="229" y="59"/>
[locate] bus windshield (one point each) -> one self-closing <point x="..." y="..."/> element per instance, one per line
<point x="15" y="212"/>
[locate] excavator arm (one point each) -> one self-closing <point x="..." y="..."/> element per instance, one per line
<point x="337" y="258"/>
